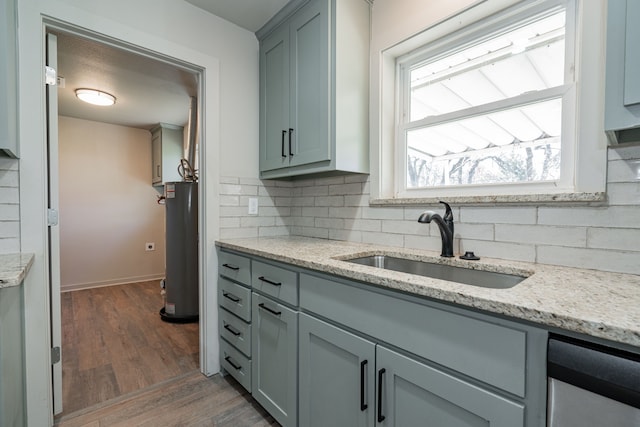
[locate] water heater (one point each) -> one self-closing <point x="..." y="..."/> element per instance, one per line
<point x="181" y="279"/>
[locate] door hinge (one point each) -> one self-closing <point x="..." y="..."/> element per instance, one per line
<point x="52" y="217"/>
<point x="50" y="76"/>
<point x="55" y="355"/>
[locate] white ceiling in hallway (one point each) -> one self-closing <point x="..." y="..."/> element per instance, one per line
<point x="147" y="91"/>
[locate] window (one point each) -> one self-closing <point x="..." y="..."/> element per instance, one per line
<point x="486" y="108"/>
<point x="498" y="99"/>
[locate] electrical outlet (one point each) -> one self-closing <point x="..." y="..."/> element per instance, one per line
<point x="253" y="206"/>
<point x="150" y="246"/>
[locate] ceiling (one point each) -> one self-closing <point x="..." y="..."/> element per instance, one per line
<point x="147" y="91"/>
<point x="248" y="14"/>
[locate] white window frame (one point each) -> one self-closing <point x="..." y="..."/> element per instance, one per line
<point x="583" y="167"/>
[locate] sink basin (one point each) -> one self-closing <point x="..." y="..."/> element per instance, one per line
<point x="485" y="279"/>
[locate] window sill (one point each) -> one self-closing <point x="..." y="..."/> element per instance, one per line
<point x="518" y="199"/>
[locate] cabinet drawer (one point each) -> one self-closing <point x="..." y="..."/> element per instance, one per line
<point x="235" y="298"/>
<point x="486" y="351"/>
<point x="236" y="364"/>
<point x="235" y="267"/>
<point x="275" y="281"/>
<point x="236" y="331"/>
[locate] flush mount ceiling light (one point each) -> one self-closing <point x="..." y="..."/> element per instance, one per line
<point x="95" y="97"/>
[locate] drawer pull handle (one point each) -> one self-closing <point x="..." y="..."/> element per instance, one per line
<point x="380" y="376"/>
<point x="264" y="307"/>
<point x="264" y="279"/>
<point x="284" y="132"/>
<point x="231" y="297"/>
<point x="363" y="375"/>
<point x="233" y="331"/>
<point x="290" y="135"/>
<point x="229" y="359"/>
<point x="232" y="267"/>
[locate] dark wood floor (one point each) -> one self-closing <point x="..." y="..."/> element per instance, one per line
<point x="114" y="342"/>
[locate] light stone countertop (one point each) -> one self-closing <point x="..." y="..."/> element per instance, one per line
<point x="596" y="303"/>
<point x="13" y="268"/>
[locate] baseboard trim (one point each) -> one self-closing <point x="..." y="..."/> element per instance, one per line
<point x="114" y="282"/>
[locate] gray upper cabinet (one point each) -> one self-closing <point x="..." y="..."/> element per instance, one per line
<point x="166" y="151"/>
<point x="314" y="60"/>
<point x="622" y="97"/>
<point x="8" y="79"/>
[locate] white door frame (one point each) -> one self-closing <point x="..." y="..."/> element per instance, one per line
<point x="203" y="252"/>
<point x="51" y="53"/>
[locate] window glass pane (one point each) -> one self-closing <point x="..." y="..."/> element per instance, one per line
<point x="525" y="59"/>
<point x="521" y="144"/>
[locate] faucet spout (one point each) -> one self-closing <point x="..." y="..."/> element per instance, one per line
<point x="446" y="228"/>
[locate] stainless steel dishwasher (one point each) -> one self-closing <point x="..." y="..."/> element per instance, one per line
<point x="591" y="385"/>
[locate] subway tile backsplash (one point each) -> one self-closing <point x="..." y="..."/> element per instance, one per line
<point x="9" y="206"/>
<point x="603" y="237"/>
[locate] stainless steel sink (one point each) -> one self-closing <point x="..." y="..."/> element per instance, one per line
<point x="485" y="279"/>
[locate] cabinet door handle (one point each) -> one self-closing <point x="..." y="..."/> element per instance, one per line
<point x="233" y="331"/>
<point x="264" y="307"/>
<point x="380" y="376"/>
<point x="363" y="375"/>
<point x="283" y="153"/>
<point x="232" y="267"/>
<point x="264" y="279"/>
<point x="290" y="134"/>
<point x="229" y="359"/>
<point x="158" y="171"/>
<point x="231" y="297"/>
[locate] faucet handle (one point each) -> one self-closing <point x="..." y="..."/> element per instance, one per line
<point x="448" y="215"/>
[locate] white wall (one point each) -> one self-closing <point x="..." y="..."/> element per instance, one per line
<point x="228" y="56"/>
<point x="108" y="208"/>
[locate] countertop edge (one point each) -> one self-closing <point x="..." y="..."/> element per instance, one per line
<point x="14" y="268"/>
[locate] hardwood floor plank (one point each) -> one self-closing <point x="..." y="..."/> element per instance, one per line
<point x="119" y="328"/>
<point x="189" y="400"/>
<point x="123" y="366"/>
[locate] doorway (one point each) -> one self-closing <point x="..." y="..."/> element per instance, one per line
<point x="120" y="301"/>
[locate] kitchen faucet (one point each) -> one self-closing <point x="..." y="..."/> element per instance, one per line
<point x="445" y="225"/>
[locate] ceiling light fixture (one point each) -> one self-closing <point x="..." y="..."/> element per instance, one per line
<point x="95" y="97"/>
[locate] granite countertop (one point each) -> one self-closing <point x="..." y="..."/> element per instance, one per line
<point x="13" y="268"/>
<point x="596" y="303"/>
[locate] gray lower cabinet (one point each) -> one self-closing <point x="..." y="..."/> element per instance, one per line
<point x="12" y="354"/>
<point x="318" y="350"/>
<point x="336" y="376"/>
<point x="275" y="358"/>
<point x="434" y="364"/>
<point x="234" y="316"/>
<point x="346" y="380"/>
<point x="410" y="393"/>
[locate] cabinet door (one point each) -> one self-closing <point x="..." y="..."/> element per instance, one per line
<point x="336" y="376"/>
<point x="275" y="359"/>
<point x="156" y="158"/>
<point x="8" y="79"/>
<point x="274" y="100"/>
<point x="310" y="79"/>
<point x="411" y="394"/>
